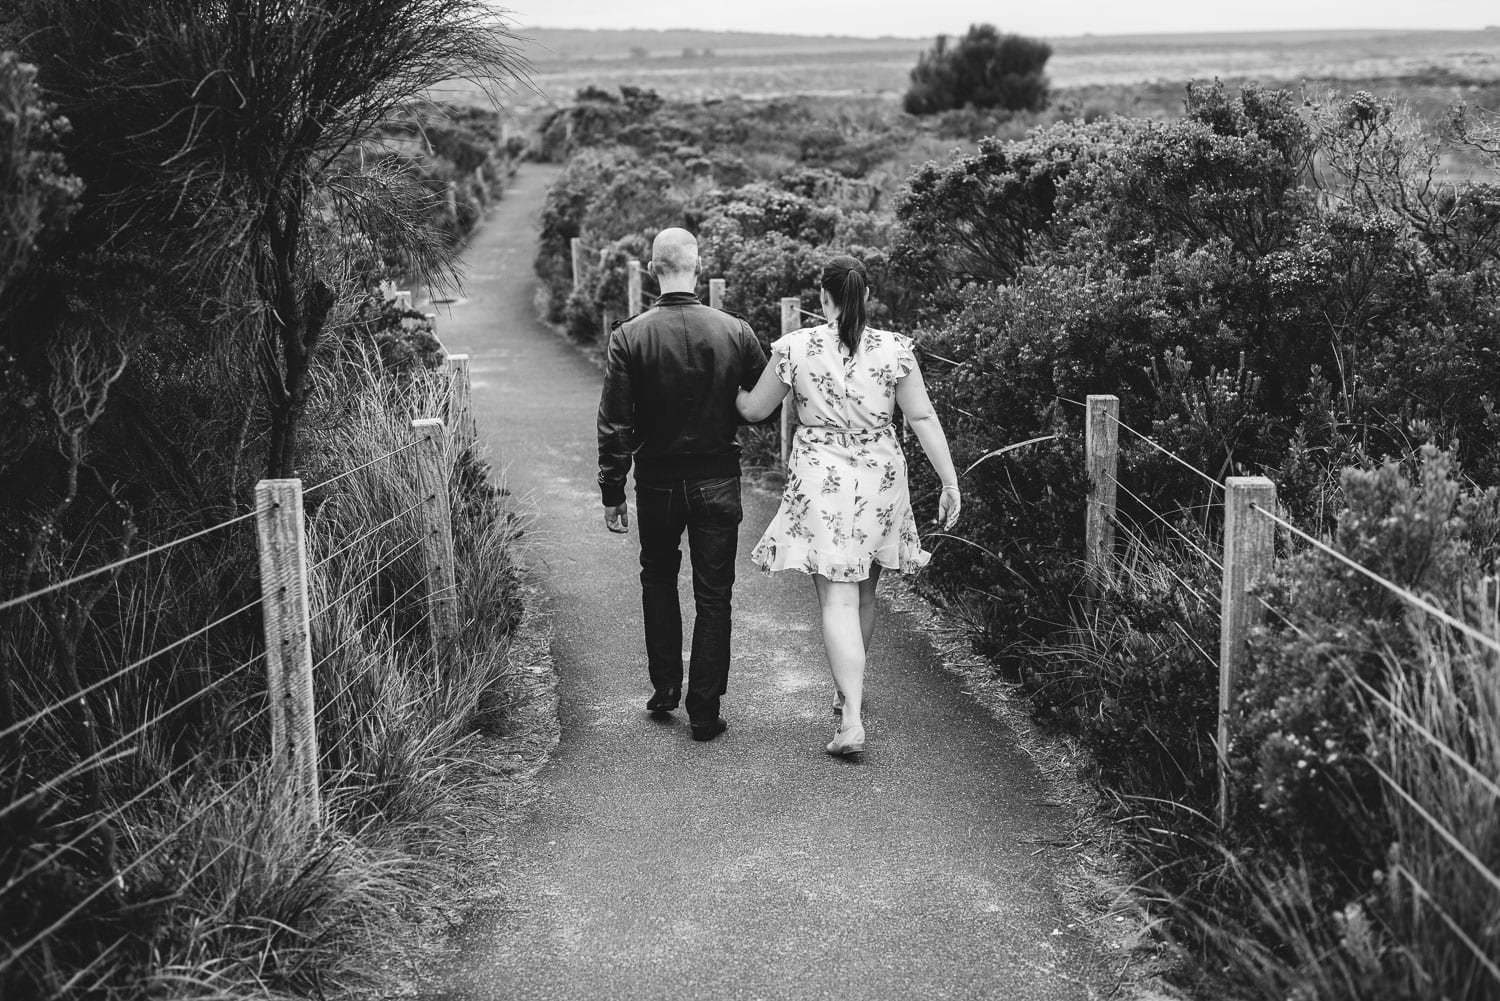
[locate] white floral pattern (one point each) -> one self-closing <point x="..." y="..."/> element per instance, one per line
<point x="846" y="504"/>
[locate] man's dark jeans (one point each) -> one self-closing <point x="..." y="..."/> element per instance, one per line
<point x="710" y="511"/>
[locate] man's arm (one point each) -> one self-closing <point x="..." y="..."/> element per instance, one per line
<point x="617" y="434"/>
<point x="752" y="365"/>
<point x="752" y="356"/>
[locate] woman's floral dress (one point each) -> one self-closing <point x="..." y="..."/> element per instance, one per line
<point x="846" y="503"/>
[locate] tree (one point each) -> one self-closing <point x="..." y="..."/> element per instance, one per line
<point x="223" y="131"/>
<point x="985" y="69"/>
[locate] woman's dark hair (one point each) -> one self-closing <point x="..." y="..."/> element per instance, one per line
<point x="845" y="281"/>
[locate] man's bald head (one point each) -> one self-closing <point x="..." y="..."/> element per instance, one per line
<point x="674" y="254"/>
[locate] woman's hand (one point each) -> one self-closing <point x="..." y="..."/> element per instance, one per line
<point x="949" y="504"/>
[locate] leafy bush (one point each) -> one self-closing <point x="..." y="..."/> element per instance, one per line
<point x="1303" y="750"/>
<point x="985" y="69"/>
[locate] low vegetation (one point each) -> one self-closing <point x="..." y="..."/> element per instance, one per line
<point x="196" y="295"/>
<point x="1292" y="285"/>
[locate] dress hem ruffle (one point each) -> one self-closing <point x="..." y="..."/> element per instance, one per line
<point x="805" y="559"/>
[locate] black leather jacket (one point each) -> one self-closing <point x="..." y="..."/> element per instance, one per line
<point x="669" y="385"/>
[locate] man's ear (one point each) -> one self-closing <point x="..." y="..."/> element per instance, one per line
<point x="651" y="268"/>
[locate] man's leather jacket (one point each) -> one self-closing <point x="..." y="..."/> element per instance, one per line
<point x="669" y="386"/>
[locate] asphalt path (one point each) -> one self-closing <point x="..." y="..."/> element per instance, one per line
<point x="753" y="866"/>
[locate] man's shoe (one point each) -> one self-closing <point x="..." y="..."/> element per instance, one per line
<point x="665" y="700"/>
<point x="710" y="730"/>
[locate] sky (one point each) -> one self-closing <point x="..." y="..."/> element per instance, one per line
<point x="1053" y="18"/>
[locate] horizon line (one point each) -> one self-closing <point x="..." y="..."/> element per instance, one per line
<point x="1088" y="34"/>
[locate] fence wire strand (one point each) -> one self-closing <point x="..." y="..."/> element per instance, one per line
<point x="94" y="686"/>
<point x="1469" y="943"/>
<point x="98" y="758"/>
<point x="115" y="812"/>
<point x="22" y="599"/>
<point x="364" y="465"/>
<point x="387" y="608"/>
<point x="1463" y="850"/>
<point x="366" y="536"/>
<point x="1179" y="532"/>
<point x="119" y="876"/>
<point x="1169" y="453"/>
<point x="385" y="565"/>
<point x="1391" y="586"/>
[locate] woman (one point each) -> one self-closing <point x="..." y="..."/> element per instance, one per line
<point x="846" y="512"/>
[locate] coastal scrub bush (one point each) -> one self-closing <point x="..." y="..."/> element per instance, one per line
<point x="985" y="69"/>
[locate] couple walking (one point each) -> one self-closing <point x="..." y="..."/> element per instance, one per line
<point x="679" y="378"/>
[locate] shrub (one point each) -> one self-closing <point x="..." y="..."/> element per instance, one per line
<point x="985" y="69"/>
<point x="1303" y="749"/>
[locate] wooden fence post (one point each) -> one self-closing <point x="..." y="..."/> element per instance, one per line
<point x="634" y="299"/>
<point x="1101" y="446"/>
<point x="716" y="293"/>
<point x="575" y="251"/>
<point x="436" y="527"/>
<point x="460" y="403"/>
<point x="1249" y="551"/>
<point x="791" y="319"/>
<point x="288" y="630"/>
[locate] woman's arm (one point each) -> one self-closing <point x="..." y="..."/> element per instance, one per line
<point x="911" y="395"/>
<point x="757" y="404"/>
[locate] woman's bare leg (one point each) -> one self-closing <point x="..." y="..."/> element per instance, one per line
<point x="867" y="606"/>
<point x="844" y="640"/>
<point x="866" y="621"/>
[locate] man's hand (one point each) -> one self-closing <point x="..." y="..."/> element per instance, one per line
<point x="617" y="518"/>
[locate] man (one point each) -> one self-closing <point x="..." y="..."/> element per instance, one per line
<point x="668" y="404"/>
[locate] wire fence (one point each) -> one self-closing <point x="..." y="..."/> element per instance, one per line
<point x="130" y="733"/>
<point x="1240" y="604"/>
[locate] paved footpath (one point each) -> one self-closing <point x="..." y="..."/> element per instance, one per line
<point x="754" y="866"/>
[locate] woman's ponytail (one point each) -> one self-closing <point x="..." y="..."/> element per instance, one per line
<point x="844" y="280"/>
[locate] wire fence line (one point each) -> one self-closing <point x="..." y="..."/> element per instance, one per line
<point x="27" y="598"/>
<point x="386" y="562"/>
<point x="369" y="534"/>
<point x="65" y="749"/>
<point x="361" y="467"/>
<point x="1262" y="511"/>
<point x="1403" y="593"/>
<point x="1248" y="500"/>
<point x="1178" y="532"/>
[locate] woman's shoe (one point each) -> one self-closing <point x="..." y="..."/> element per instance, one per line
<point x="847" y="742"/>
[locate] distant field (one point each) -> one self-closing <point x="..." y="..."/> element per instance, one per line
<point x="1140" y="75"/>
<point x="674" y="64"/>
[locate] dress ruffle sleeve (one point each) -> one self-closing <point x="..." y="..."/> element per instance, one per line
<point x="781" y="358"/>
<point x="906" y="357"/>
